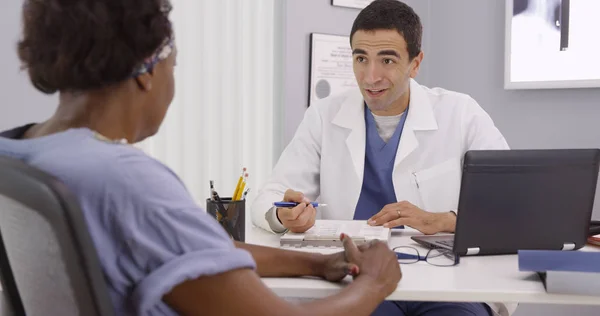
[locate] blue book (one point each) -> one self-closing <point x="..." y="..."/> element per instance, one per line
<point x="556" y="260"/>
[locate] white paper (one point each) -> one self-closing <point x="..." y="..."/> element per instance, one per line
<point x="359" y="4"/>
<point x="331" y="230"/>
<point x="574" y="283"/>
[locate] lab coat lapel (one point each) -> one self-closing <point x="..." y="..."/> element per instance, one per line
<point x="420" y="118"/>
<point x="351" y="116"/>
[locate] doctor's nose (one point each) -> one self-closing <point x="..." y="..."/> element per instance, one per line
<point x="372" y="75"/>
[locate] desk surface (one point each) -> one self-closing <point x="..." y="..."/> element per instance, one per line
<point x="475" y="279"/>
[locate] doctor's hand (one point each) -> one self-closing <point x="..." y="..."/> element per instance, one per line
<point x="300" y="218"/>
<point x="405" y="213"/>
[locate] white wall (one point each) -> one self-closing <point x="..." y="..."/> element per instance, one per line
<point x="20" y="103"/>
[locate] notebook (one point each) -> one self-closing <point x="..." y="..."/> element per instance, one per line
<point x="557" y="260"/>
<point x="326" y="233"/>
<point x="594" y="240"/>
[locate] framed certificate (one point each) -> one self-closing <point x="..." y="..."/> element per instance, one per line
<point x="358" y="4"/>
<point x="330" y="66"/>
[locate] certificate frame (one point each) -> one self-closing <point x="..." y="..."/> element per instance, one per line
<point x="355" y="4"/>
<point x="561" y="45"/>
<point x="343" y="79"/>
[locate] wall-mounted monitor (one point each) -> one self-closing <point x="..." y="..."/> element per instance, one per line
<point x="552" y="44"/>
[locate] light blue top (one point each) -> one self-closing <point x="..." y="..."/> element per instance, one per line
<point x="149" y="233"/>
<point x="378" y="188"/>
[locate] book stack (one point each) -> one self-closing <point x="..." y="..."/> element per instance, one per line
<point x="564" y="272"/>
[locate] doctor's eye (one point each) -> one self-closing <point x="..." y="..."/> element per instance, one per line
<point x="388" y="61"/>
<point x="360" y="59"/>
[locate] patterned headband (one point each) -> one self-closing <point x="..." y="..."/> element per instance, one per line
<point x="162" y="53"/>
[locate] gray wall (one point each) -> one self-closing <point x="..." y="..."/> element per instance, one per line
<point x="464" y="51"/>
<point x="19" y="102"/>
<point x="560" y="118"/>
<point x="302" y="18"/>
<point x="466" y="54"/>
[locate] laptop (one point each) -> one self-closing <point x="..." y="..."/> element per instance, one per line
<point x="522" y="199"/>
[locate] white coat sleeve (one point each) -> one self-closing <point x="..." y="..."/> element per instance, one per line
<point x="479" y="130"/>
<point x="298" y="169"/>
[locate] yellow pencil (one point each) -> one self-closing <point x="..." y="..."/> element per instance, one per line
<point x="239" y="184"/>
<point x="241" y="191"/>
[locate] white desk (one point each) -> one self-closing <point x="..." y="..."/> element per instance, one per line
<point x="475" y="279"/>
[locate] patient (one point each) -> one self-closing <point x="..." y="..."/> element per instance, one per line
<point x="112" y="61"/>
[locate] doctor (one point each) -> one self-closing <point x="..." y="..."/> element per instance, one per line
<point x="389" y="152"/>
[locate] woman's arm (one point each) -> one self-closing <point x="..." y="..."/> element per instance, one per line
<point x="241" y="292"/>
<point x="275" y="262"/>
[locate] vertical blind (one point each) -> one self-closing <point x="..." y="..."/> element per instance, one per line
<point x="224" y="115"/>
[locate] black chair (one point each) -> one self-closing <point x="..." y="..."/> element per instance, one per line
<point x="48" y="262"/>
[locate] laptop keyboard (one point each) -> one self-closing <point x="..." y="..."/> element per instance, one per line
<point x="447" y="242"/>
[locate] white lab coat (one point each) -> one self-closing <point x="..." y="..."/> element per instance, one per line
<point x="326" y="157"/>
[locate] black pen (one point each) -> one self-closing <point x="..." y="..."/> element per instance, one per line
<point x="223" y="213"/>
<point x="212" y="190"/>
<point x="221" y="210"/>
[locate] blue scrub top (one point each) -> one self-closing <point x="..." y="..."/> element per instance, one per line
<point x="378" y="187"/>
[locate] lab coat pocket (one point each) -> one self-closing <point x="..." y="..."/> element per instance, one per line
<point x="439" y="185"/>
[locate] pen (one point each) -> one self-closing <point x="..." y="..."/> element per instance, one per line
<point x="212" y="190"/>
<point x="221" y="210"/>
<point x="245" y="193"/>
<point x="294" y="204"/>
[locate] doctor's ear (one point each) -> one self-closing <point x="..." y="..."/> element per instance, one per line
<point x="415" y="64"/>
<point x="144" y="81"/>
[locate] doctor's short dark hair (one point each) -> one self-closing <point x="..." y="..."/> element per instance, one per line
<point x="391" y="15"/>
<point x="77" y="45"/>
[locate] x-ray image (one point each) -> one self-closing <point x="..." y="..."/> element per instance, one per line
<point x="543" y="24"/>
<point x="554" y="42"/>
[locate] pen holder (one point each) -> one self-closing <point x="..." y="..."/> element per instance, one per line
<point x="230" y="214"/>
